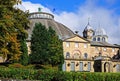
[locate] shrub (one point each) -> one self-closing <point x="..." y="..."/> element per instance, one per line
<point x="16" y="65"/>
<point x="53" y="75"/>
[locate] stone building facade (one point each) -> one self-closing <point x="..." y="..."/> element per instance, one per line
<point x="91" y="52"/>
<point x="82" y="55"/>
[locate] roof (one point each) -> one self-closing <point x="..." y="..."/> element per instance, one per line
<point x="102" y="58"/>
<point x="47" y="19"/>
<point x="76" y="35"/>
<point x="103" y="44"/>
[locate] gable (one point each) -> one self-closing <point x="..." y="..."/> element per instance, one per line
<point x="77" y="39"/>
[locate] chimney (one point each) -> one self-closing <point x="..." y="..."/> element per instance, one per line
<point x="76" y="32"/>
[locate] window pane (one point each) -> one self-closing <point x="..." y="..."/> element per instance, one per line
<point x="113" y="49"/>
<point x="103" y="39"/>
<point x="67" y="55"/>
<point x="94" y="39"/>
<point x="118" y="68"/>
<point x="72" y="66"/>
<point x="98" y="39"/>
<point x="81" y="66"/>
<point x="85" y="55"/>
<point x="89" y="66"/>
<point x="76" y="45"/>
<point x="64" y="66"/>
<point x="67" y="44"/>
<point x="85" y="45"/>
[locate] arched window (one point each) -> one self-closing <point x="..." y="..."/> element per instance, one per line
<point x="76" y="56"/>
<point x="67" y="55"/>
<point x="103" y="39"/>
<point x="85" y="55"/>
<point x="98" y="39"/>
<point x="94" y="39"/>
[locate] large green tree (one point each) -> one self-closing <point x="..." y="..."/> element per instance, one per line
<point x="24" y="56"/>
<point x="46" y="47"/>
<point x="13" y="23"/>
<point x="39" y="44"/>
<point x="55" y="48"/>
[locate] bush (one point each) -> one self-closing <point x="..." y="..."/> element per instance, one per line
<point x="53" y="75"/>
<point x="16" y="65"/>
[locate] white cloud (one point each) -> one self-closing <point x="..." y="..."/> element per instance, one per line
<point x="34" y="7"/>
<point x="78" y="20"/>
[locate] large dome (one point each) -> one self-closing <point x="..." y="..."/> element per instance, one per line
<point x="48" y="20"/>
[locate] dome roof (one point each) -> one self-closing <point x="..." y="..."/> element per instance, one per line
<point x="100" y="31"/>
<point x="48" y="20"/>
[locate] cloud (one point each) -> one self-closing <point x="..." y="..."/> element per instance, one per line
<point x="107" y="19"/>
<point x="34" y="7"/>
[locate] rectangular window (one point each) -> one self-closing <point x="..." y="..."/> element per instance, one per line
<point x="76" y="45"/>
<point x="105" y="49"/>
<point x="113" y="49"/>
<point x="64" y="66"/>
<point x="81" y="66"/>
<point x="89" y="66"/>
<point x="72" y="66"/>
<point x="67" y="44"/>
<point x="85" y="45"/>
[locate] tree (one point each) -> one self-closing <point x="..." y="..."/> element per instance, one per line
<point x="13" y="23"/>
<point x="55" y="48"/>
<point x="39" y="44"/>
<point x="46" y="47"/>
<point x="24" y="57"/>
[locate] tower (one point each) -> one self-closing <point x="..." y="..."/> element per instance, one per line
<point x="88" y="32"/>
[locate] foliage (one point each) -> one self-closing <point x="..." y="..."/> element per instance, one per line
<point x="24" y="56"/>
<point x="53" y="75"/>
<point x="15" y="73"/>
<point x="15" y="65"/>
<point x="13" y="23"/>
<point x="39" y="44"/>
<point x="55" y="48"/>
<point x="46" y="47"/>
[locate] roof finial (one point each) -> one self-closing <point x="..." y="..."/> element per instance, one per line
<point x="39" y="9"/>
<point x="88" y="20"/>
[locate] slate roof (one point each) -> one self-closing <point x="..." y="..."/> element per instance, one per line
<point x="62" y="31"/>
<point x="103" y="44"/>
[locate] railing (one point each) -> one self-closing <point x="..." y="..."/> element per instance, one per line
<point x="40" y="15"/>
<point x="79" y="59"/>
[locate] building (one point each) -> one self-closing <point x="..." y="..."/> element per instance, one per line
<point x="47" y="19"/>
<point x="91" y="52"/>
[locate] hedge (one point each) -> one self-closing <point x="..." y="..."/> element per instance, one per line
<point x="52" y="75"/>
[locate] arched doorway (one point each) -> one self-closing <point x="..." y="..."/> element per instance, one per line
<point x="106" y="67"/>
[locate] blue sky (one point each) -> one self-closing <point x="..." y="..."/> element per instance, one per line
<point x="72" y="5"/>
<point x="60" y="5"/>
<point x="75" y="13"/>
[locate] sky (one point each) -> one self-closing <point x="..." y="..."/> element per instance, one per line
<point x="75" y="14"/>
